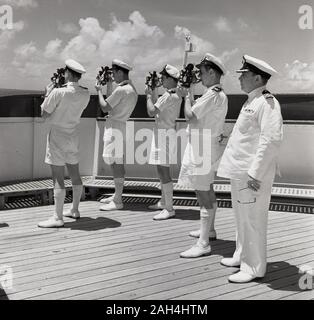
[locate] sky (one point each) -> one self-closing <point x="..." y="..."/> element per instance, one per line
<point x="150" y="33"/>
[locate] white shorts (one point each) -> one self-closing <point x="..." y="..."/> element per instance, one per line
<point x="62" y="147"/>
<point x="193" y="174"/>
<point x="163" y="147"/>
<point x="114" y="142"/>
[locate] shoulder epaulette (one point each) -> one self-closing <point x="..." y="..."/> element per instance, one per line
<point x="267" y="94"/>
<point x="269" y="97"/>
<point x="217" y="89"/>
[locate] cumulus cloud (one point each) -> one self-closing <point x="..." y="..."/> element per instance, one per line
<point x="222" y="24"/>
<point x="146" y="47"/>
<point x="68" y="28"/>
<point x="20" y="3"/>
<point x="201" y="45"/>
<point x="300" y="75"/>
<point x="7" y="35"/>
<point x="25" y="52"/>
<point x="86" y="44"/>
<point x="229" y="54"/>
<point x="52" y="48"/>
<point x="28" y="60"/>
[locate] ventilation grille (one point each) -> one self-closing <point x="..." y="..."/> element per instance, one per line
<point x="33" y="201"/>
<point x="29" y="186"/>
<point x="292" y="191"/>
<point x="27" y="202"/>
<point x="222" y="203"/>
<point x="277" y="191"/>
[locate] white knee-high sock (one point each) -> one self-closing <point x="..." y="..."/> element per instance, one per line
<point x="118" y="183"/>
<point x="76" y="195"/>
<point x="59" y="196"/>
<point x="213" y="217"/>
<point x="168" y="192"/>
<point x="206" y="219"/>
<point x="162" y="200"/>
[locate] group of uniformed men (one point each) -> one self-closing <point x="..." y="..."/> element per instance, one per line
<point x="249" y="159"/>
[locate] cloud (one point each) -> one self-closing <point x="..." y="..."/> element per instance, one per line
<point x="242" y="24"/>
<point x="146" y="47"/>
<point x="300" y="75"/>
<point x="52" y="48"/>
<point x="222" y="25"/>
<point x="25" y="52"/>
<point x="228" y="55"/>
<point x="30" y="61"/>
<point x="68" y="28"/>
<point x="20" y="3"/>
<point x="201" y="45"/>
<point x="85" y="46"/>
<point x="7" y="35"/>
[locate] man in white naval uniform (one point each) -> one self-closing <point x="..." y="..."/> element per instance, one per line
<point x="119" y="104"/>
<point x="63" y="108"/>
<point x="250" y="162"/>
<point x="163" y="149"/>
<point x="205" y="117"/>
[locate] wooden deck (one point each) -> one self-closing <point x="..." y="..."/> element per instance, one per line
<point x="126" y="255"/>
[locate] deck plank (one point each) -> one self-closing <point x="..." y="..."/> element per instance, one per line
<point x="126" y="255"/>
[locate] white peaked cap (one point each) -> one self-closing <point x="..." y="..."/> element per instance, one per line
<point x="121" y="64"/>
<point x="261" y="65"/>
<point x="171" y="71"/>
<point x="75" y="66"/>
<point x="210" y="58"/>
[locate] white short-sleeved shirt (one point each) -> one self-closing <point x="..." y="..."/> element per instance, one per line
<point x="122" y="101"/>
<point x="255" y="140"/>
<point x="210" y="111"/>
<point x="66" y="105"/>
<point x="169" y="105"/>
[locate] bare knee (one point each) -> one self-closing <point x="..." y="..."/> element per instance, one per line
<point x="118" y="170"/>
<point x="74" y="174"/>
<point x="164" y="174"/>
<point x="212" y="195"/>
<point x="58" y="176"/>
<point x="204" y="199"/>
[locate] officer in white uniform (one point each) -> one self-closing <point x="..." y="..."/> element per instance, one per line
<point x="63" y="108"/>
<point x="163" y="149"/>
<point x="250" y="162"/>
<point x="119" y="104"/>
<point x="206" y="117"/>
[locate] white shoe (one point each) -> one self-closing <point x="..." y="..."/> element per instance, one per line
<point x="72" y="214"/>
<point x="51" y="223"/>
<point x="107" y="200"/>
<point x="241" y="277"/>
<point x="196" y="251"/>
<point x="164" y="215"/>
<point x="230" y="262"/>
<point x="306" y="269"/>
<point x="111" y="206"/>
<point x="157" y="206"/>
<point x="196" y="234"/>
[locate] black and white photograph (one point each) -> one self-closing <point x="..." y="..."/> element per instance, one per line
<point x="156" y="152"/>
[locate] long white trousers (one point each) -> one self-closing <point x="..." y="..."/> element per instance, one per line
<point x="251" y="215"/>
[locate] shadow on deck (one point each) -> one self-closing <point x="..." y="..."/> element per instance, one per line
<point x="126" y="255"/>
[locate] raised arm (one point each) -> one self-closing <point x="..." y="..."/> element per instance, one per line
<point x="189" y="101"/>
<point x="104" y="105"/>
<point x="151" y="99"/>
